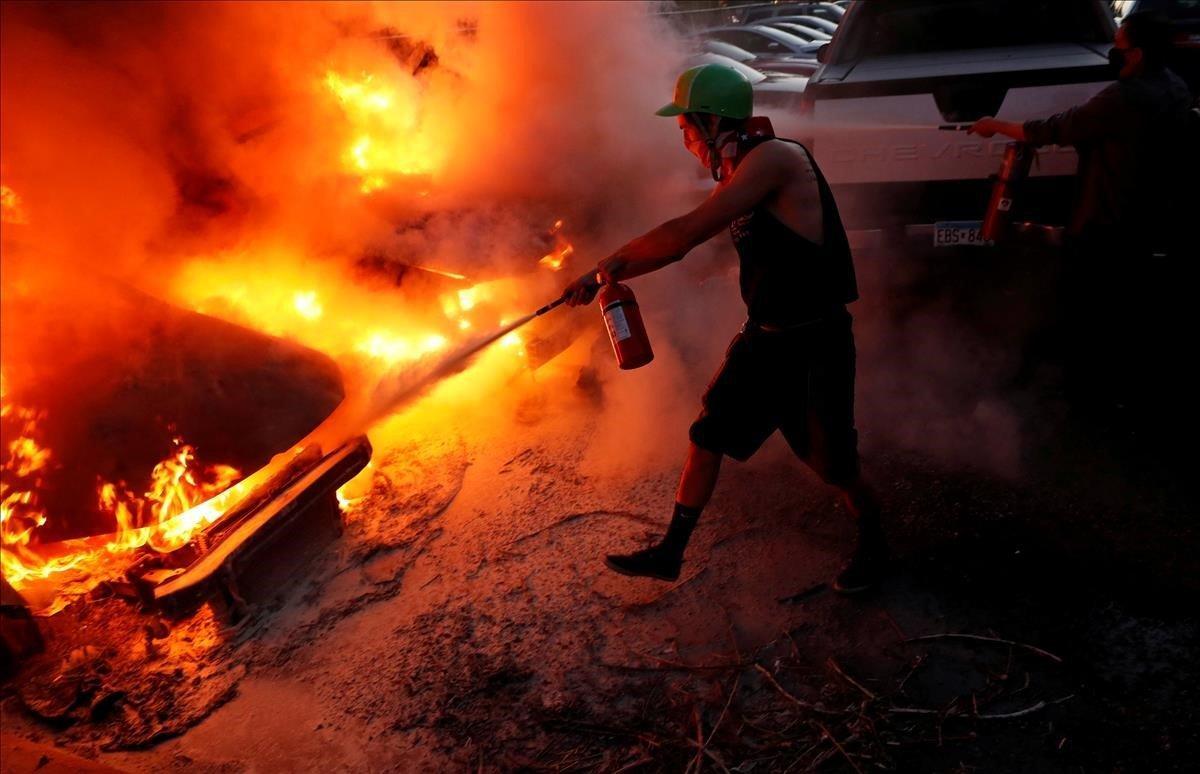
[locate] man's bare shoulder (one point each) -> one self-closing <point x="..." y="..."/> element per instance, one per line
<point x="781" y="154"/>
<point x="777" y="151"/>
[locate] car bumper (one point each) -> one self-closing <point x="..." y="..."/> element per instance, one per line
<point x="916" y="206"/>
<point x="920" y="235"/>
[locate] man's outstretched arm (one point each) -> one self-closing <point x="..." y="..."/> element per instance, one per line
<point x="1104" y="115"/>
<point x="756" y="178"/>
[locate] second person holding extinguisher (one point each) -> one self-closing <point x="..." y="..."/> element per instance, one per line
<point x="791" y="368"/>
<point x="1128" y="266"/>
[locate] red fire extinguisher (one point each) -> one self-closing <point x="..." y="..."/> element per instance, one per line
<point x="1018" y="157"/>
<point x="626" y="330"/>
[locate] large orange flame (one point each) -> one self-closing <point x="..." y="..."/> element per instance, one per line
<point x="164" y="517"/>
<point x="387" y="137"/>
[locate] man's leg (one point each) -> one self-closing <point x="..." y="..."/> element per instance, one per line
<point x="867" y="564"/>
<point x="699" y="476"/>
<point x="736" y="420"/>
<point x="821" y="432"/>
<point x="863" y="505"/>
<point x="663" y="560"/>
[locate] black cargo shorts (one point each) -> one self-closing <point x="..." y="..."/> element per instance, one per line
<point x="799" y="381"/>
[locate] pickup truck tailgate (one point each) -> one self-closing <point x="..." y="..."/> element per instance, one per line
<point x="878" y="121"/>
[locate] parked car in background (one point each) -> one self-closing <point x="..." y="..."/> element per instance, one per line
<point x="897" y="69"/>
<point x="829" y="11"/>
<point x="832" y="11"/>
<point x="811" y="34"/>
<point x="817" y="23"/>
<point x="727" y="50"/>
<point x="762" y="40"/>
<point x="775" y="64"/>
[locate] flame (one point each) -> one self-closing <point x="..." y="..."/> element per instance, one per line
<point x="359" y="325"/>
<point x="457" y="305"/>
<point x="24" y="459"/>
<point x="354" y="491"/>
<point x="307" y="305"/>
<point x="467" y="299"/>
<point x="392" y="348"/>
<point x="387" y="137"/>
<point x="177" y="486"/>
<point x="556" y="259"/>
<point x="164" y="518"/>
<point x="514" y="343"/>
<point x="12" y="210"/>
<point x="363" y="96"/>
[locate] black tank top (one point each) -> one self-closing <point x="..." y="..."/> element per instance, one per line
<point x="788" y="280"/>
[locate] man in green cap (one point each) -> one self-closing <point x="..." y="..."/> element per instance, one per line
<point x="791" y="368"/>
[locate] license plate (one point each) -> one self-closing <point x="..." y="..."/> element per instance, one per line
<point x="959" y="233"/>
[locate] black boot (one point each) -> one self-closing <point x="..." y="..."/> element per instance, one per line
<point x="867" y="565"/>
<point x="663" y="559"/>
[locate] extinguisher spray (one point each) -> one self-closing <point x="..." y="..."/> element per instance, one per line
<point x="1018" y="157"/>
<point x="626" y="331"/>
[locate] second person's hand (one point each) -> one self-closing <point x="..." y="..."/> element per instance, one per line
<point x="984" y="127"/>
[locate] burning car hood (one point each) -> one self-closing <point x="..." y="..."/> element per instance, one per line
<point x="107" y="408"/>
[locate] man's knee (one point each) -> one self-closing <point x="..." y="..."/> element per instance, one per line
<point x="703" y="456"/>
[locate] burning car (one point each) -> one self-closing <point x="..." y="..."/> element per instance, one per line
<point x="168" y="451"/>
<point x="125" y="468"/>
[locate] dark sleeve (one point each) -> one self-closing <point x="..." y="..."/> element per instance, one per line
<point x="1101" y="116"/>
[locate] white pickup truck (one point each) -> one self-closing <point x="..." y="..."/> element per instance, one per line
<point x="897" y="70"/>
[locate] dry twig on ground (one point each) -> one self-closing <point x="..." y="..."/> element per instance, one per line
<point x="993" y="640"/>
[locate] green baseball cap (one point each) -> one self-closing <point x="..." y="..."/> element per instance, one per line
<point x="711" y="88"/>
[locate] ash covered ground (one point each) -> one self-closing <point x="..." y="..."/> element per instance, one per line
<point x="465" y="619"/>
